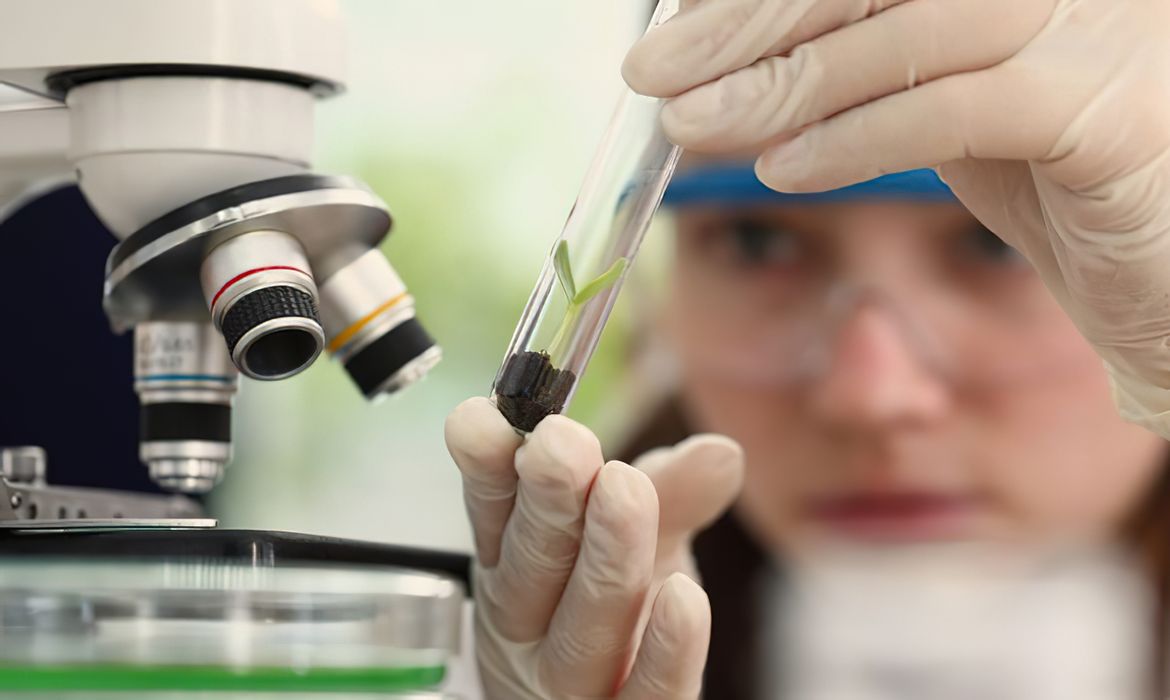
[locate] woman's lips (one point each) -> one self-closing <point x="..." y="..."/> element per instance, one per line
<point x="909" y="516"/>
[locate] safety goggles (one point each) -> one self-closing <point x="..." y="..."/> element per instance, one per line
<point x="777" y="290"/>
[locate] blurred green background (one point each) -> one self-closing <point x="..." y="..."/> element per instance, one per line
<point x="475" y="122"/>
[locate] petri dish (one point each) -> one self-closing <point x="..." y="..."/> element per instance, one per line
<point x="183" y="626"/>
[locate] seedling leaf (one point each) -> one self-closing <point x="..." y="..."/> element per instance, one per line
<point x="564" y="271"/>
<point x="606" y="280"/>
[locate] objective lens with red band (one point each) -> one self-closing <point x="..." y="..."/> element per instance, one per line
<point x="263" y="299"/>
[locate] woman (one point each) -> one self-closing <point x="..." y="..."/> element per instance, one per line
<point x="895" y="373"/>
<point x="923" y="386"/>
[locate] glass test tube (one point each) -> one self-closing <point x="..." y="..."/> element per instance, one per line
<point x="576" y="291"/>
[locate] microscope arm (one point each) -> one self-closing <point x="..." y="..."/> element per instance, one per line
<point x="34" y="136"/>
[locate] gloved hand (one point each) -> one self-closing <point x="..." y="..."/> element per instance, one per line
<point x="1050" y="119"/>
<point x="576" y="584"/>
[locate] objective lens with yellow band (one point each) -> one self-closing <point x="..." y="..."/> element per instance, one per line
<point x="371" y="328"/>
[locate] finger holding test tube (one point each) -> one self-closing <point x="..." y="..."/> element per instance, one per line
<point x="576" y="291"/>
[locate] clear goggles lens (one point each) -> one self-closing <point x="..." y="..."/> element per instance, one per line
<point x="761" y="301"/>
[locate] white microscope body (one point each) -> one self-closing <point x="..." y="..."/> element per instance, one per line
<point x="188" y="125"/>
<point x="166" y="101"/>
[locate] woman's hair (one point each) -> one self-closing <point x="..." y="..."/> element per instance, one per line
<point x="1148" y="531"/>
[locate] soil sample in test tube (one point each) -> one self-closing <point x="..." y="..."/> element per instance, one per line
<point x="530" y="389"/>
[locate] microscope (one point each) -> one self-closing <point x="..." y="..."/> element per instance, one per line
<point x="188" y="126"/>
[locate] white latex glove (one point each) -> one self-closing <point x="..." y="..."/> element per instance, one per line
<point x="1050" y="119"/>
<point x="576" y="584"/>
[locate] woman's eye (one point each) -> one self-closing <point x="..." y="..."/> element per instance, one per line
<point x="984" y="245"/>
<point x="761" y="243"/>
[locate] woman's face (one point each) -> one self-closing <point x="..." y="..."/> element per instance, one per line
<point x="895" y="374"/>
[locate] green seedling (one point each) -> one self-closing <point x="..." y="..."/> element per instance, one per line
<point x="578" y="298"/>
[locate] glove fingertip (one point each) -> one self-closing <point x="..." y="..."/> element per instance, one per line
<point x="477" y="433"/>
<point x="717" y="458"/>
<point x="783" y="168"/>
<point x="560" y="451"/>
<point x="697" y="481"/>
<point x="641" y="69"/>
<point x="674" y="646"/>
<point x="624" y="504"/>
<point x="714" y="446"/>
<point x="682" y="610"/>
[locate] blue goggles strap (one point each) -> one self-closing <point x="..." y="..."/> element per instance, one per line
<point x="736" y="184"/>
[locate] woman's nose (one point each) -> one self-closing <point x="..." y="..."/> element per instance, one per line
<point x="872" y="377"/>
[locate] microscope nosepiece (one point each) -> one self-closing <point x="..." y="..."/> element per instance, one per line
<point x="370" y="321"/>
<point x="263" y="298"/>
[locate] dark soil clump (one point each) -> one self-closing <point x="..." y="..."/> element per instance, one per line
<point x="530" y="389"/>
